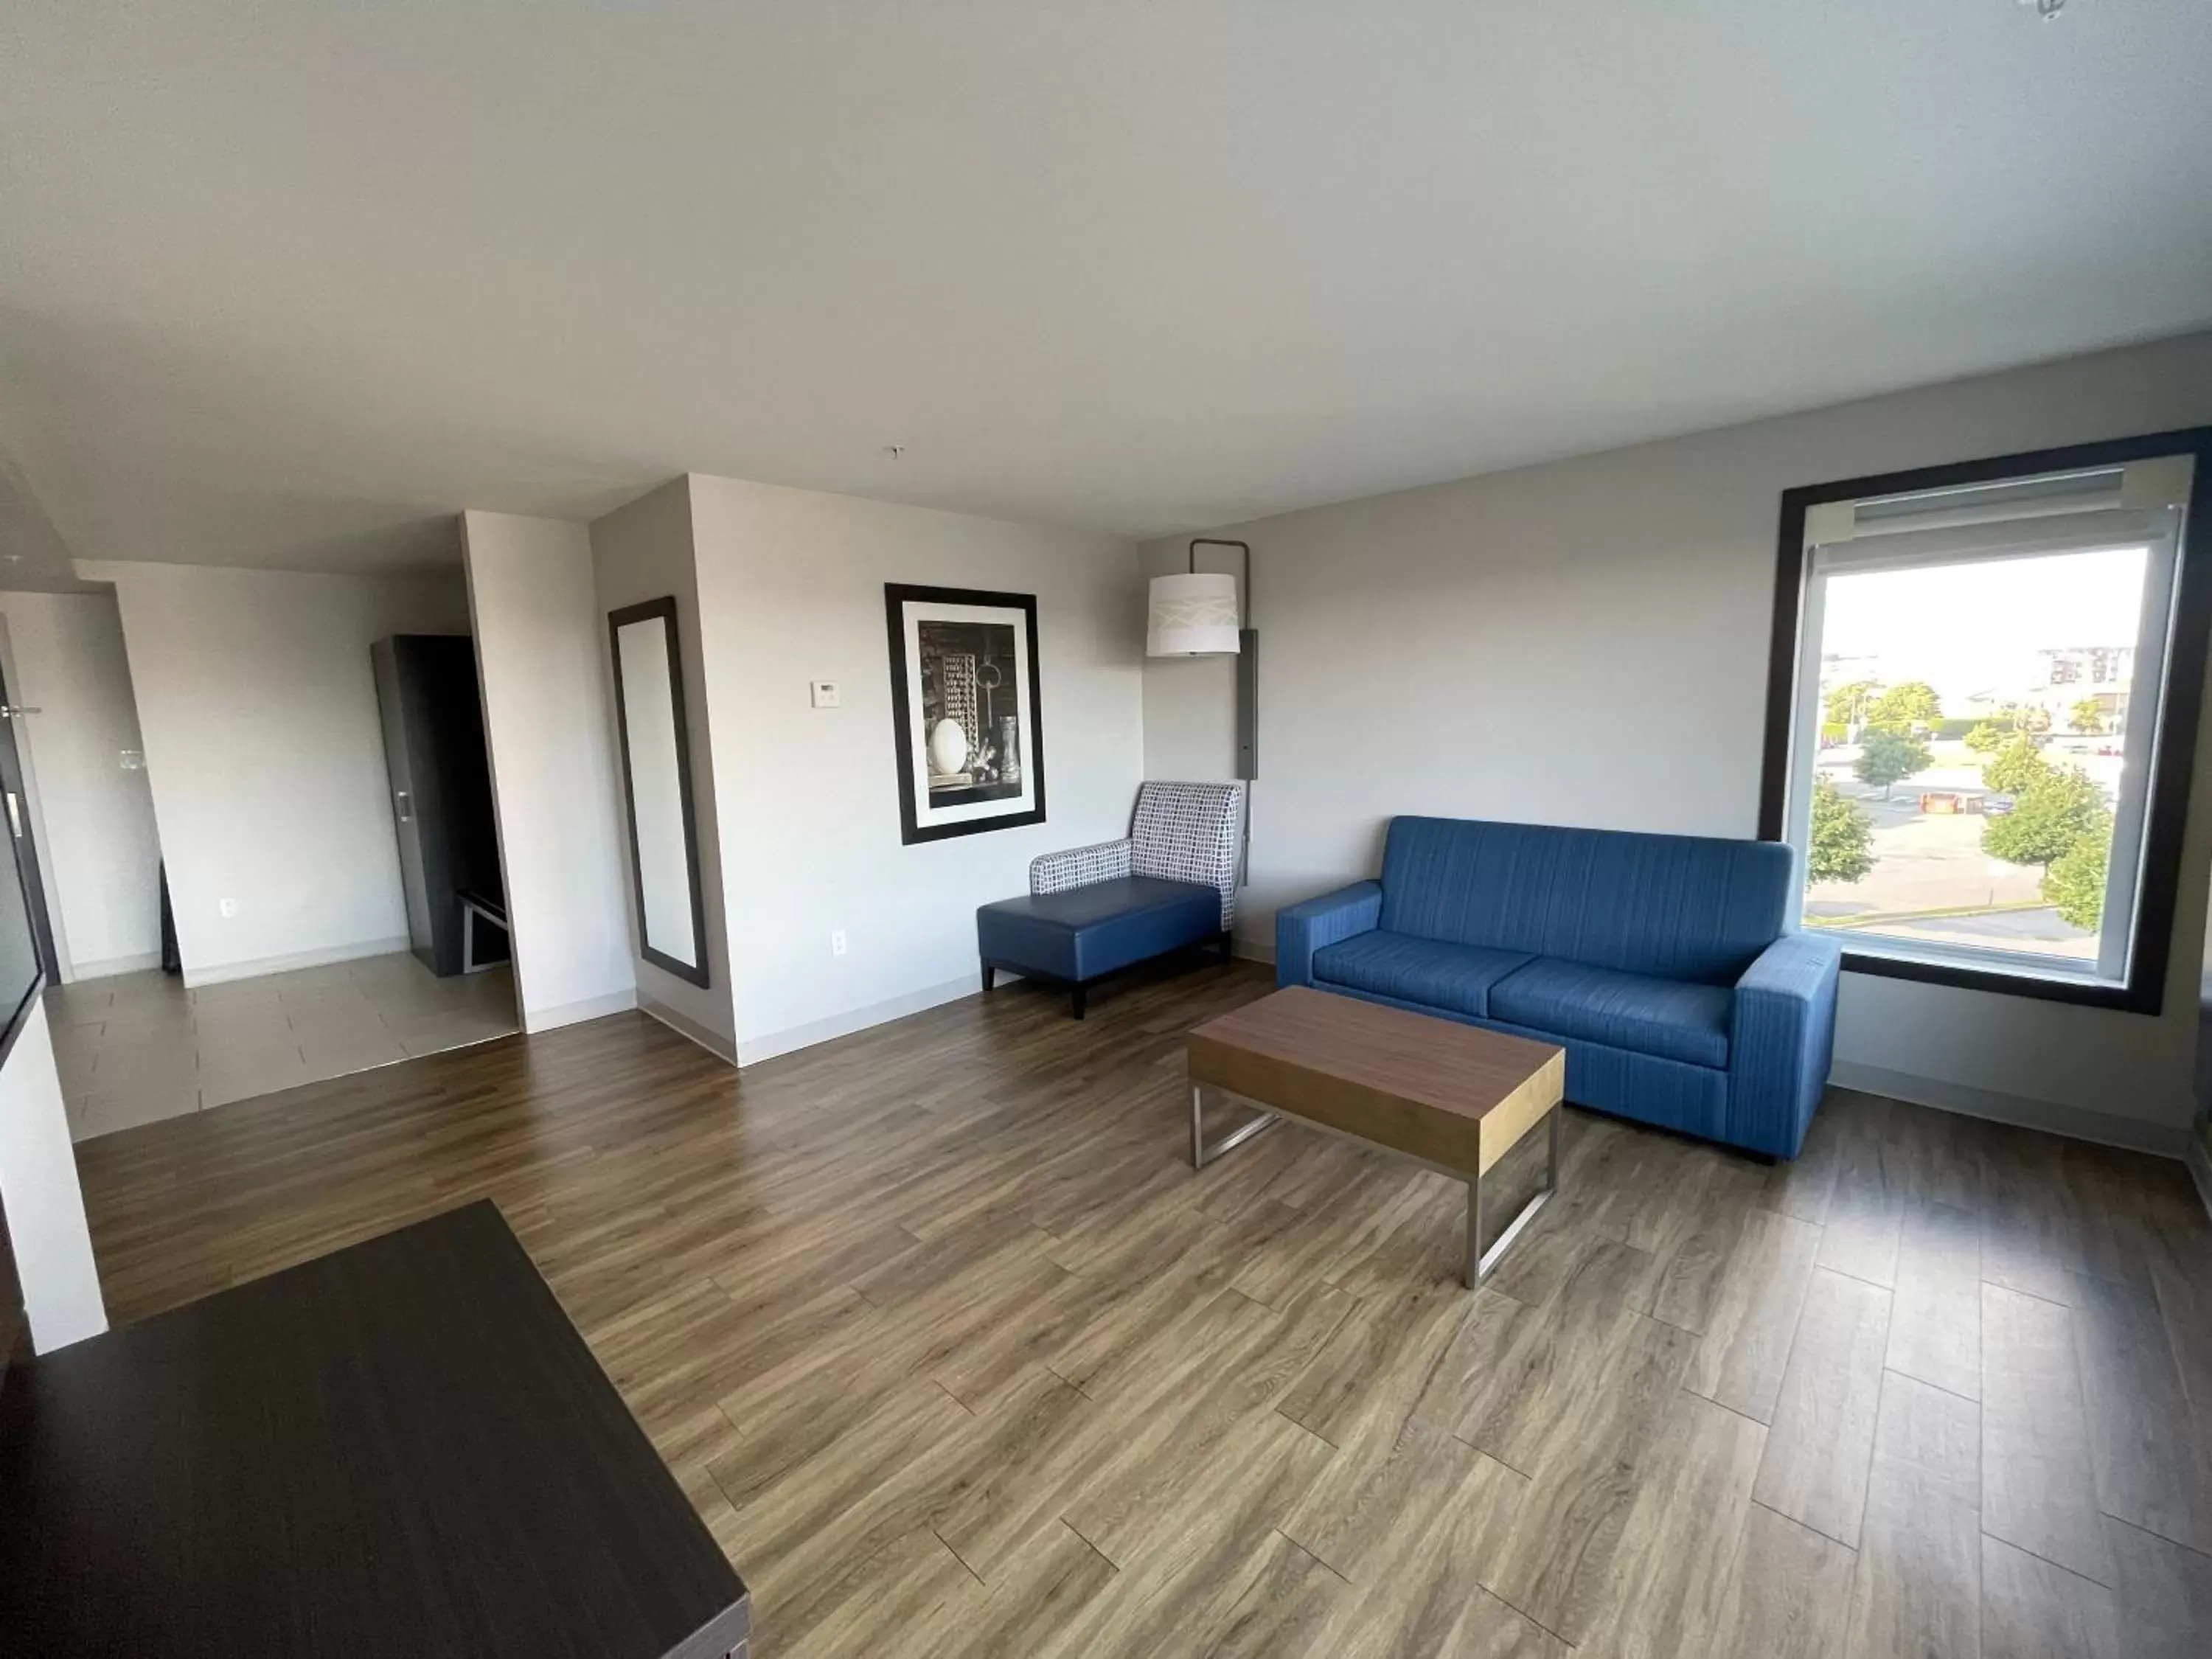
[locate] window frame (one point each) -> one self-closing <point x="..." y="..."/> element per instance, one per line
<point x="2141" y="989"/>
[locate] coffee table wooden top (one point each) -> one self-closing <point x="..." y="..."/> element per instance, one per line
<point x="1454" y="1096"/>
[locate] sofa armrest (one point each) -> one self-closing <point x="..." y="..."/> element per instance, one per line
<point x="1079" y="867"/>
<point x="1304" y="928"/>
<point x="1783" y="1037"/>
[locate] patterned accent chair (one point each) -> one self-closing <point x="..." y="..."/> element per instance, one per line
<point x="1091" y="911"/>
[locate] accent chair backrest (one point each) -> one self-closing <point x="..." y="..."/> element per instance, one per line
<point x="1677" y="907"/>
<point x="1188" y="832"/>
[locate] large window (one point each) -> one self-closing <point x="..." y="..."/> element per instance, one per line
<point x="1983" y="707"/>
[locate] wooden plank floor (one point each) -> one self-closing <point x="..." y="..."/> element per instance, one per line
<point x="957" y="1356"/>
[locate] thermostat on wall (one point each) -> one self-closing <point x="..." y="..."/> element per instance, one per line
<point x="823" y="694"/>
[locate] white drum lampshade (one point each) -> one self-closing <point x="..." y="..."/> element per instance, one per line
<point x="1191" y="615"/>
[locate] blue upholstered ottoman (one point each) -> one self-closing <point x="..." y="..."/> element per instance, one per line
<point x="1080" y="935"/>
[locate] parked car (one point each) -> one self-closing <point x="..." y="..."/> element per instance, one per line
<point x="1997" y="806"/>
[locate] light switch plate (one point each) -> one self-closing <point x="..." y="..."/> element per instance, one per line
<point x="823" y="694"/>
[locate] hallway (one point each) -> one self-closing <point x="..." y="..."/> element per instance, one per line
<point x="138" y="1047"/>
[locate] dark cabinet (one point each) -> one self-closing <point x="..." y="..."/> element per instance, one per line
<point x="434" y="749"/>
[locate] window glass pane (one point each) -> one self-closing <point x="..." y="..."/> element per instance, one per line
<point x="1969" y="753"/>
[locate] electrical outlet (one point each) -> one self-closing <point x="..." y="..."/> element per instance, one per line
<point x="823" y="694"/>
<point x="837" y="942"/>
<point x="228" y="906"/>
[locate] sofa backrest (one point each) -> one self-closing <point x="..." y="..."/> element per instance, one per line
<point x="1677" y="907"/>
<point x="1188" y="832"/>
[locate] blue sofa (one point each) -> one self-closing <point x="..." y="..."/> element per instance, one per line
<point x="1662" y="964"/>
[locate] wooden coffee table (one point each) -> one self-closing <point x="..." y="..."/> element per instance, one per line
<point x="1452" y="1096"/>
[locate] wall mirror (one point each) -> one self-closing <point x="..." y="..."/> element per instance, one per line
<point x="656" y="754"/>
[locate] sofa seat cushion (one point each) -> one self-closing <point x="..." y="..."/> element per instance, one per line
<point x="1423" y="970"/>
<point x="1673" y="1019"/>
<point x="1084" y="932"/>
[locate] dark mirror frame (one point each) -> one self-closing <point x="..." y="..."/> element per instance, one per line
<point x="663" y="610"/>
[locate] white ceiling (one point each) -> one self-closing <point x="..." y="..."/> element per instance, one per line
<point x="289" y="284"/>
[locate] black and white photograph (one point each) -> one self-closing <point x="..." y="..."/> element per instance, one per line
<point x="965" y="679"/>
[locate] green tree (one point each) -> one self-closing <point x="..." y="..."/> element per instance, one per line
<point x="1886" y="757"/>
<point x="2076" y="880"/>
<point x="2087" y="715"/>
<point x="2017" y="768"/>
<point x="2058" y="810"/>
<point x="1984" y="738"/>
<point x="1848" y="704"/>
<point x="1843" y="837"/>
<point x="1904" y="707"/>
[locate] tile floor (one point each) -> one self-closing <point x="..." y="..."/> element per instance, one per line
<point x="140" y="1047"/>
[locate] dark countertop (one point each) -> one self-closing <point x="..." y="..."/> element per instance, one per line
<point x="402" y="1447"/>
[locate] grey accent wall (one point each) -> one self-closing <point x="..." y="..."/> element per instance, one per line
<point x="1586" y="643"/>
<point x="791" y="589"/>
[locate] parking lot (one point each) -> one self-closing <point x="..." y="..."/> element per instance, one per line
<point x="1930" y="862"/>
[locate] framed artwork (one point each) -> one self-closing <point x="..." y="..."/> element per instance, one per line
<point x="967" y="728"/>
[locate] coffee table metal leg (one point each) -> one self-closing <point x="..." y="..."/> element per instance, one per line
<point x="1480" y="1262"/>
<point x="1477" y="1268"/>
<point x="1200" y="1153"/>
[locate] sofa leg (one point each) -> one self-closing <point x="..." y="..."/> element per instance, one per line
<point x="1228" y="946"/>
<point x="990" y="976"/>
<point x="1075" y="1001"/>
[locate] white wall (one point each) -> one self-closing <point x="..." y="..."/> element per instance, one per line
<point x="1476" y="648"/>
<point x="98" y="855"/>
<point x="790" y="590"/>
<point x="639" y="552"/>
<point x="45" y="1204"/>
<point x="534" y="604"/>
<point x="258" y="710"/>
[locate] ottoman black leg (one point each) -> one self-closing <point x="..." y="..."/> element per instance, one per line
<point x="1228" y="947"/>
<point x="1075" y="1001"/>
<point x="990" y="975"/>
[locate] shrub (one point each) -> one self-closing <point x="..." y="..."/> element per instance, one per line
<point x="1843" y="837"/>
<point x="2055" y="813"/>
<point x="2017" y="768"/>
<point x="2076" y="880"/>
<point x="1886" y="757"/>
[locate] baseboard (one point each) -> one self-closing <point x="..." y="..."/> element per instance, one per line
<point x="1254" y="950"/>
<point x="795" y="1037"/>
<point x="2051" y="1116"/>
<point x="2200" y="1170"/>
<point x="259" y="966"/>
<point x="109" y="967"/>
<point x="574" y="1014"/>
<point x="712" y="1041"/>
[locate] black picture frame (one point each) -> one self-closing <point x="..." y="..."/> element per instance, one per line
<point x="663" y="610"/>
<point x="897" y="596"/>
<point x="2143" y="987"/>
